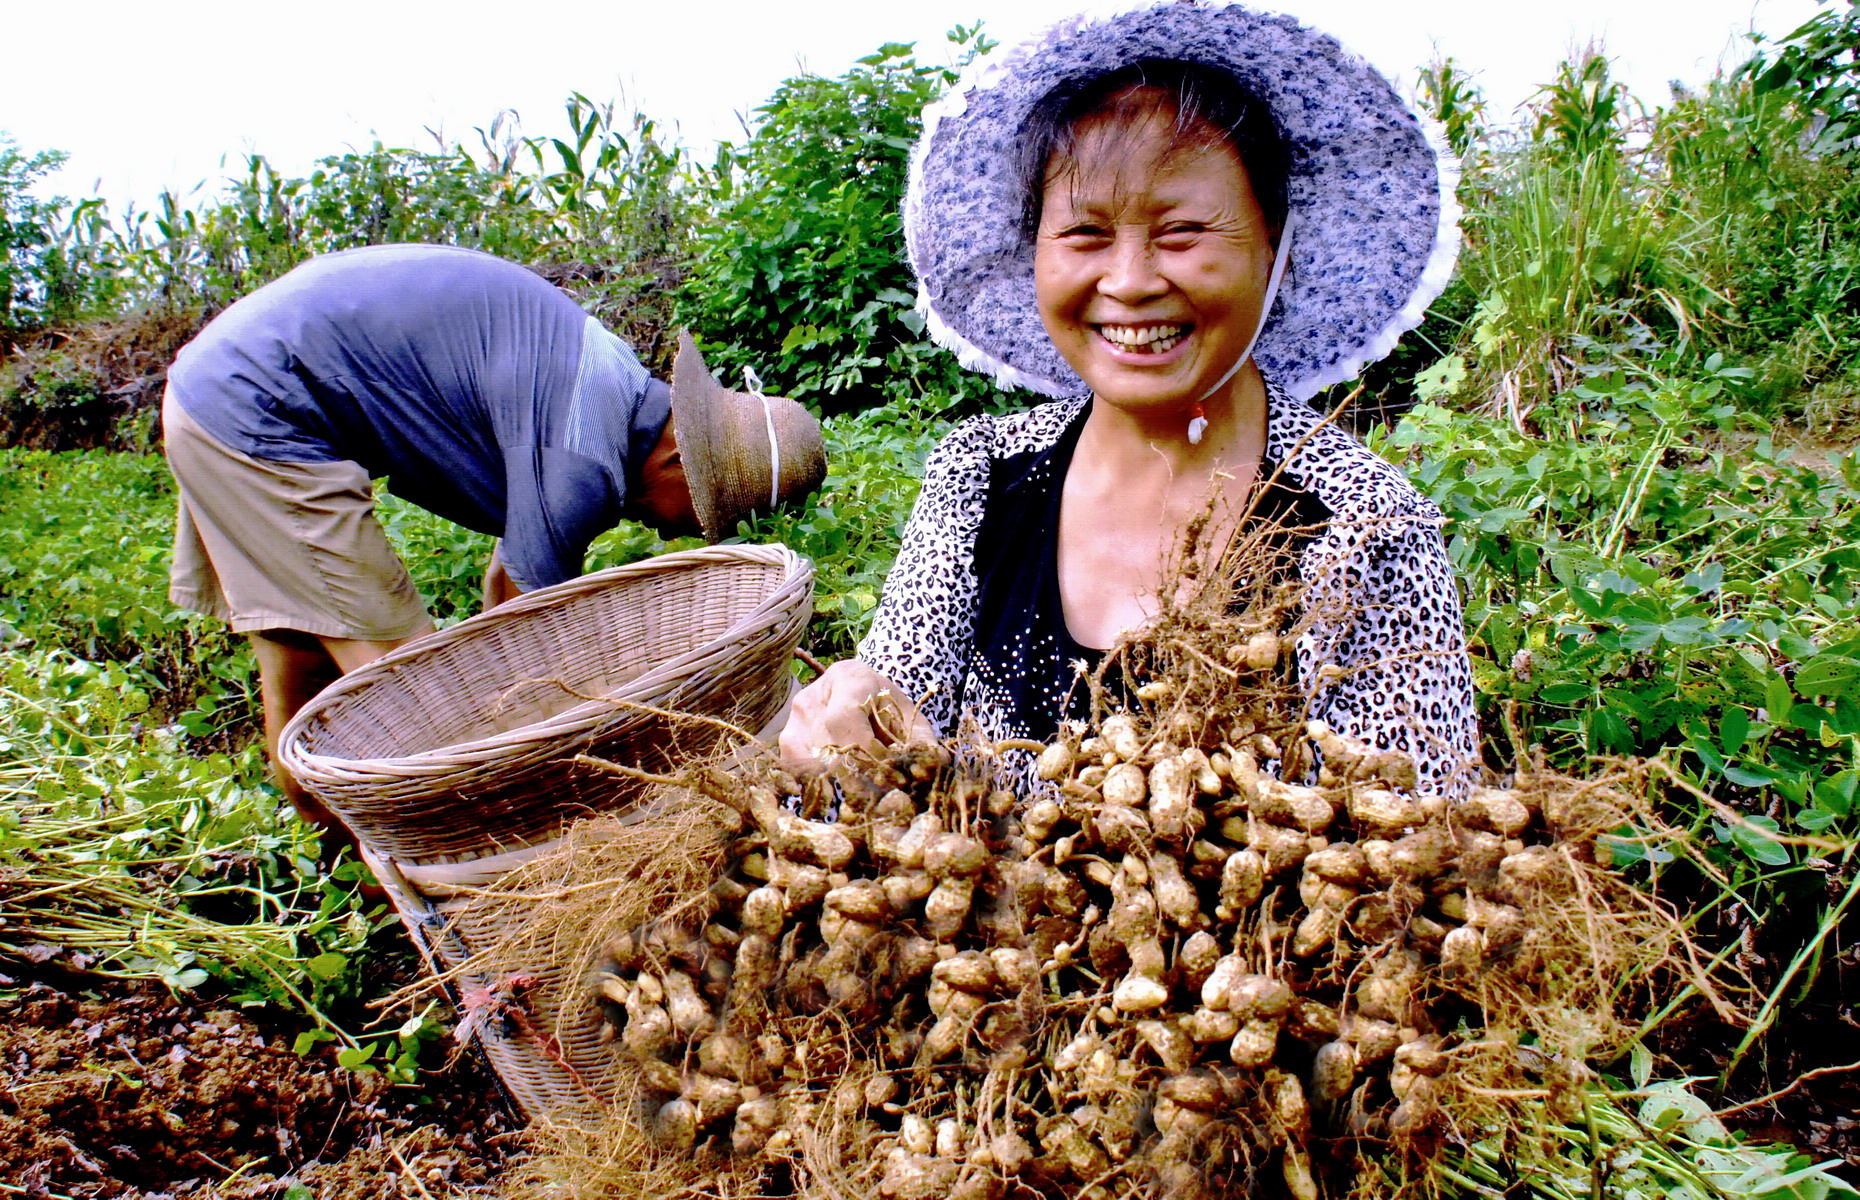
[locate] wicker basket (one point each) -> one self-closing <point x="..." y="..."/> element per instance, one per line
<point x="549" y="1053"/>
<point x="461" y="745"/>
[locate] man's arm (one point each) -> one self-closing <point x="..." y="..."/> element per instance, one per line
<point x="498" y="585"/>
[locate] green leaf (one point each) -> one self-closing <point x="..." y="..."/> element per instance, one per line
<point x="1609" y="733"/>
<point x="1836" y="795"/>
<point x="1749" y="777"/>
<point x="1778" y="698"/>
<point x="1796" y="646"/>
<point x="355" y="1057"/>
<point x="309" y="1039"/>
<point x="1846" y="715"/>
<point x="1808" y="718"/>
<point x="1755" y="846"/>
<point x="1827" y="675"/>
<point x="1733" y="730"/>
<point x="327" y="965"/>
<point x="1640" y="1064"/>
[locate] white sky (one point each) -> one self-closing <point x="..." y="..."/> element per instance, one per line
<point x="145" y="96"/>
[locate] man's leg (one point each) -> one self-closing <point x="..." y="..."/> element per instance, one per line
<point x="292" y="668"/>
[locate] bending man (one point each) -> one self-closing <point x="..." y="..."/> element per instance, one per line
<point x="484" y="394"/>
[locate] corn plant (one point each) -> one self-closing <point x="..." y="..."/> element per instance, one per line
<point x="1454" y="101"/>
<point x="1585" y="110"/>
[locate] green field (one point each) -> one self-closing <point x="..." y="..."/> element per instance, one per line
<point x="1637" y="403"/>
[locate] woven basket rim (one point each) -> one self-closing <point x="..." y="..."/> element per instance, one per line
<point x="651" y="687"/>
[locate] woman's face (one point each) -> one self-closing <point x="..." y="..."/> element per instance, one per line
<point x="1150" y="275"/>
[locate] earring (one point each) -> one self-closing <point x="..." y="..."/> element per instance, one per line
<point x="1197" y="423"/>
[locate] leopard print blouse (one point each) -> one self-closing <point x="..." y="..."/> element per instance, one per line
<point x="1378" y="583"/>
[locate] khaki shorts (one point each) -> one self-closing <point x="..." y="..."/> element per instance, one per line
<point x="282" y="545"/>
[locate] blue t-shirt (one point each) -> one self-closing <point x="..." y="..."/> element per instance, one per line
<point x="479" y="389"/>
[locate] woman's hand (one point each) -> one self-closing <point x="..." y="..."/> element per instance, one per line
<point x="850" y="705"/>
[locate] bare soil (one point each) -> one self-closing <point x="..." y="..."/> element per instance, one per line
<point x="130" y="1093"/>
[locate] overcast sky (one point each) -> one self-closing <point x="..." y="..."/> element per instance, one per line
<point x="145" y="96"/>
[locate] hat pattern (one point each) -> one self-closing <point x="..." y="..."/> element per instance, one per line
<point x="1370" y="188"/>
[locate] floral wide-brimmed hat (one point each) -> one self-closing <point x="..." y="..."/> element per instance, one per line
<point x="1369" y="193"/>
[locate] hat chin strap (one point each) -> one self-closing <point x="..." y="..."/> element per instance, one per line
<point x="753" y="382"/>
<point x="1198" y="417"/>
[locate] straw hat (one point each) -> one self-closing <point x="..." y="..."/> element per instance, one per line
<point x="1369" y="192"/>
<point x="743" y="453"/>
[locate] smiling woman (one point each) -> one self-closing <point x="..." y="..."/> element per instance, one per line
<point x="1151" y="271"/>
<point x="1183" y="220"/>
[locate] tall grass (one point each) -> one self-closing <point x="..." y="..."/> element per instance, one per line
<point x="1568" y="255"/>
<point x="1607" y="236"/>
<point x="1778" y="222"/>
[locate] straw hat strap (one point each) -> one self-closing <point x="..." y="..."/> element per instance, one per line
<point x="753" y="382"/>
<point x="1265" y="311"/>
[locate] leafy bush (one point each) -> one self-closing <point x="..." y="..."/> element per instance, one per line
<point x="1573" y="268"/>
<point x="51" y="402"/>
<point x="1635" y="592"/>
<point x="86" y="548"/>
<point x="798" y="270"/>
<point x="1818" y="65"/>
<point x="1731" y="228"/>
<point x="1778" y="231"/>
<point x="601" y="212"/>
<point x="29" y="274"/>
<point x="1656" y="1139"/>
